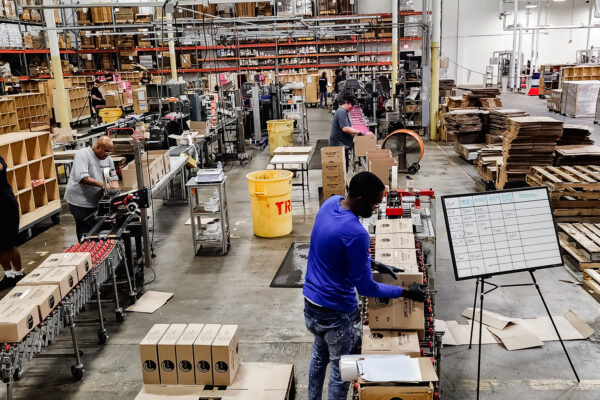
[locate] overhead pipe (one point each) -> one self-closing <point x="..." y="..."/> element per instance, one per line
<point x="513" y="61"/>
<point x="394" y="45"/>
<point x="436" y="16"/>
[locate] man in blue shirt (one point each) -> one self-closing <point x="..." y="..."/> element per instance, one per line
<point x="339" y="262"/>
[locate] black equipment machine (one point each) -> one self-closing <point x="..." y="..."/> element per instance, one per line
<point x="160" y="131"/>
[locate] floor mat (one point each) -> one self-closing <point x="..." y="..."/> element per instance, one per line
<point x="293" y="267"/>
<point x="315" y="161"/>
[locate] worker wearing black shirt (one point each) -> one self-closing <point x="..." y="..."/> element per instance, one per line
<point x="145" y="79"/>
<point x="323" y="89"/>
<point x="97" y="97"/>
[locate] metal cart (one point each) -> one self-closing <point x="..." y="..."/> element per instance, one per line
<point x="203" y="237"/>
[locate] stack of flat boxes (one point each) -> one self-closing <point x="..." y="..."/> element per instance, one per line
<point x="395" y="325"/>
<point x="190" y="354"/>
<point x="333" y="166"/>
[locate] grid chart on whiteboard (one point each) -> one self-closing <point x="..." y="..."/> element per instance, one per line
<point x="501" y="232"/>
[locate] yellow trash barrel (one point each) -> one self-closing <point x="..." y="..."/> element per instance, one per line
<point x="281" y="133"/>
<point x="271" y="201"/>
<point x="110" y="114"/>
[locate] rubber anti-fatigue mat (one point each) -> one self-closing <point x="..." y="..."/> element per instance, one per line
<point x="293" y="267"/>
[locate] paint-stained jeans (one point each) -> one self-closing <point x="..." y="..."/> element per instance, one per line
<point x="336" y="334"/>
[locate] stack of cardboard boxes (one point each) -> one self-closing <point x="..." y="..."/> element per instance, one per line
<point x="380" y="162"/>
<point x="38" y="293"/>
<point x="190" y="354"/>
<point x="333" y="165"/>
<point x="155" y="164"/>
<point x="397" y="325"/>
<point x="140" y="101"/>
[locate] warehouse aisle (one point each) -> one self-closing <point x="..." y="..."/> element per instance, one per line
<point x="235" y="289"/>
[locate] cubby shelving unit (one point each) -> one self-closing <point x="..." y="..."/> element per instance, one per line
<point x="31" y="174"/>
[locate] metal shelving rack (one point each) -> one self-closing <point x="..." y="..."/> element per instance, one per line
<point x="196" y="215"/>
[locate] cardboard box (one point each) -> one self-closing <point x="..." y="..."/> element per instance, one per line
<point x="328" y="193"/>
<point x="65" y="277"/>
<point x="333" y="168"/>
<point x="81" y="261"/>
<point x="164" y="154"/>
<point x="390" y="342"/>
<point x="396" y="256"/>
<point x="382" y="168"/>
<point x="17" y="319"/>
<point x="46" y="297"/>
<point x="149" y="353"/>
<point x="112" y="100"/>
<point x="407" y="392"/>
<point x="166" y="354"/>
<point x="378" y="153"/>
<point x="395" y="241"/>
<point x="184" y="351"/>
<point x="400" y="225"/>
<point x="333" y="154"/>
<point x="334" y="178"/>
<point x="203" y="354"/>
<point x="396" y="313"/>
<point x="225" y="357"/>
<point x="364" y="143"/>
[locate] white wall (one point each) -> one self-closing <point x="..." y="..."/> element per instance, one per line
<point x="472" y="31"/>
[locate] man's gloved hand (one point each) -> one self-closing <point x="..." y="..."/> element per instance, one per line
<point x="416" y="292"/>
<point x="385" y="269"/>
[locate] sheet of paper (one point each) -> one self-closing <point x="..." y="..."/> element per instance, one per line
<point x="150" y="302"/>
<point x="390" y="369"/>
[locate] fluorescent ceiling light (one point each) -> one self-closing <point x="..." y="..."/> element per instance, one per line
<point x="559" y="1"/>
<point x="531" y="6"/>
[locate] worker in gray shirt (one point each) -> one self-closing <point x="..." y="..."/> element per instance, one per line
<point x="87" y="183"/>
<point x="342" y="132"/>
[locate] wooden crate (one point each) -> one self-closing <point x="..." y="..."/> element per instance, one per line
<point x="105" y="40"/>
<point x="28" y="157"/>
<point x="8" y="115"/>
<point x="126" y="15"/>
<point x="87" y="40"/>
<point x="31" y="110"/>
<point x="83" y="16"/>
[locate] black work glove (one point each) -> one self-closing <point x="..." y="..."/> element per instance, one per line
<point x="416" y="292"/>
<point x="385" y="269"/>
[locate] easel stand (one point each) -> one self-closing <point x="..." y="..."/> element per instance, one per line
<point x="483" y="292"/>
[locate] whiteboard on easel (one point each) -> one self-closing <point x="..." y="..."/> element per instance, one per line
<point x="501" y="232"/>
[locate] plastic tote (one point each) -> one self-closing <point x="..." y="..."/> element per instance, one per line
<point x="271" y="201"/>
<point x="281" y="133"/>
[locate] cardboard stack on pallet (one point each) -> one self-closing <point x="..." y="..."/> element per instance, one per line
<point x="574" y="190"/>
<point x="579" y="98"/>
<point x="575" y="135"/>
<point x="529" y="141"/>
<point x="467" y="128"/>
<point x="498" y="119"/>
<point x="333" y="166"/>
<point x="487" y="162"/>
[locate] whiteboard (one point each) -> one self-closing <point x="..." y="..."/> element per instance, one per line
<point x="501" y="232"/>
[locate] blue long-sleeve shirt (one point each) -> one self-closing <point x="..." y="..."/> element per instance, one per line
<point x="338" y="261"/>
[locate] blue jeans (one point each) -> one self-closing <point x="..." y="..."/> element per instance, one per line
<point x="322" y="98"/>
<point x="336" y="333"/>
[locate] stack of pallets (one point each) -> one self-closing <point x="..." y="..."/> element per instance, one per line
<point x="580" y="243"/>
<point x="574" y="190"/>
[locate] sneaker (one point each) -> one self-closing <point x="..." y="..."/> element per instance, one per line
<point x="7" y="283"/>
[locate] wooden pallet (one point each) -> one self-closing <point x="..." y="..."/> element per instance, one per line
<point x="573" y="255"/>
<point x="591" y="282"/>
<point x="585" y="238"/>
<point x="567" y="179"/>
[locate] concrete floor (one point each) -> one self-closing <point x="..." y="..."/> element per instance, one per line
<point x="235" y="289"/>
